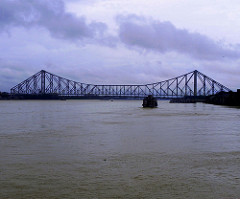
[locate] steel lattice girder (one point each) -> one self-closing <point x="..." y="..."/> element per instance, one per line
<point x="191" y="84"/>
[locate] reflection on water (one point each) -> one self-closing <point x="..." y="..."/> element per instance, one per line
<point x="105" y="149"/>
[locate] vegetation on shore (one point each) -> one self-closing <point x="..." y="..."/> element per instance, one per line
<point x="4" y="95"/>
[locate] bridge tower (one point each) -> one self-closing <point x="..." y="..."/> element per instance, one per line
<point x="195" y="82"/>
<point x="43" y="74"/>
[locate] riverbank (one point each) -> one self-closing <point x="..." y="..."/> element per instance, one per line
<point x="8" y="96"/>
<point x="225" y="98"/>
<point x="221" y="98"/>
<point x="189" y="99"/>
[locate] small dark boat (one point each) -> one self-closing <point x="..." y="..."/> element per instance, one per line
<point x="150" y="102"/>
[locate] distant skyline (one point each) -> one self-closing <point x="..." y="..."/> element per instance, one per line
<point x="119" y="41"/>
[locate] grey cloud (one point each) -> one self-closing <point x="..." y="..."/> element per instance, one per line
<point x="50" y="15"/>
<point x="163" y="37"/>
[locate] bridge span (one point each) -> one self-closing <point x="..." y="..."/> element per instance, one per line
<point x="193" y="83"/>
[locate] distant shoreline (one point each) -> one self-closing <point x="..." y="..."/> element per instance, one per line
<point x="57" y="97"/>
<point x="222" y="98"/>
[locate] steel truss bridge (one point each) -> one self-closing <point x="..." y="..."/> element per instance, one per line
<point x="190" y="84"/>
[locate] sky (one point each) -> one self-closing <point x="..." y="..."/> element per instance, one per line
<point x="119" y="41"/>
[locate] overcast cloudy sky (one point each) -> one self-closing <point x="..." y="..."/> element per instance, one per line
<point x="119" y="41"/>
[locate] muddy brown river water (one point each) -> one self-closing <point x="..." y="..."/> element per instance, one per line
<point x="116" y="149"/>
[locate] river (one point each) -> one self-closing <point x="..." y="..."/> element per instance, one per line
<point x="116" y="149"/>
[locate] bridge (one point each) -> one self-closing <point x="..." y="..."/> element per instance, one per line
<point x="193" y="83"/>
